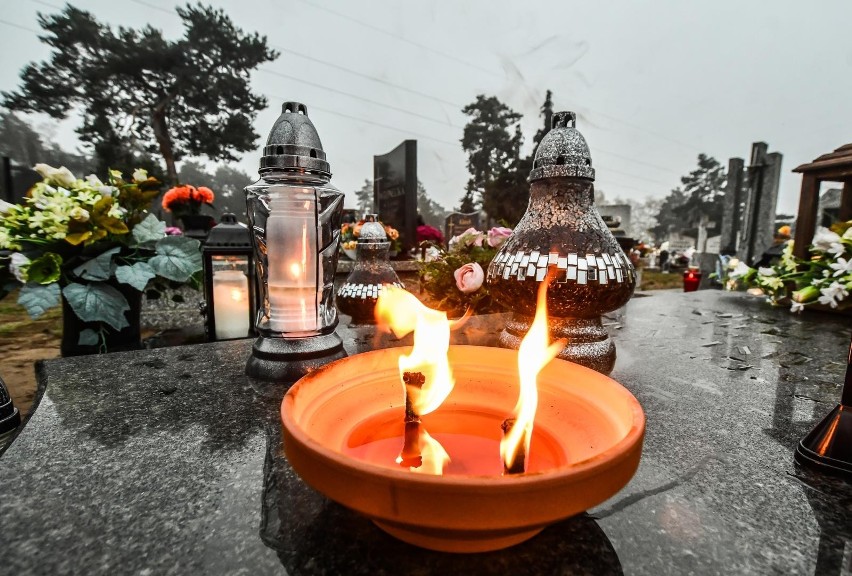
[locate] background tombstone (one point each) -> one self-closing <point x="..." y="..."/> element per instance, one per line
<point x="758" y="223"/>
<point x="395" y="190"/>
<point x="17" y="180"/>
<point x="731" y="214"/>
<point x="458" y="222"/>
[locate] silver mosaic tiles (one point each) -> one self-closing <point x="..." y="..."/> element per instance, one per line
<point x="363" y="291"/>
<point x="600" y="268"/>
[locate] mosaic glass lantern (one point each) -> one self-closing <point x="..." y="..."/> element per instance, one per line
<point x="562" y="230"/>
<point x="371" y="273"/>
<point x="294" y="215"/>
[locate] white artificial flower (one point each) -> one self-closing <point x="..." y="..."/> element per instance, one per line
<point x="827" y="241"/>
<point x="842" y="266"/>
<point x="773" y="282"/>
<point x="740" y="270"/>
<point x="833" y="294"/>
<point x="94" y="181"/>
<point x="766" y="271"/>
<point x="4" y="206"/>
<point x="18" y="266"/>
<point x="64" y="177"/>
<point x="78" y="213"/>
<point x="106" y="191"/>
<point x="797" y="307"/>
<point x="140" y="175"/>
<point x="45" y="170"/>
<point x="848" y="234"/>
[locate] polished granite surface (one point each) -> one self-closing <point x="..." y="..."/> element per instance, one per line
<point x="169" y="462"/>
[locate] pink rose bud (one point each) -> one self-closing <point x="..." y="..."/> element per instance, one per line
<point x="469" y="277"/>
<point x="498" y="235"/>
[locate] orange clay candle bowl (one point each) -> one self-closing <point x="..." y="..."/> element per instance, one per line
<point x="353" y="431"/>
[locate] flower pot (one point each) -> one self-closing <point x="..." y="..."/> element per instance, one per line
<point x="351" y="254"/>
<point x="128" y="338"/>
<point x="197" y="225"/>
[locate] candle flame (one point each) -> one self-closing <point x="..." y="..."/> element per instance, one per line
<point x="533" y="355"/>
<point x="403" y="313"/>
<point x="236" y="294"/>
<point x="435" y="458"/>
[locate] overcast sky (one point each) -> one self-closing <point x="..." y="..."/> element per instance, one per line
<point x="654" y="83"/>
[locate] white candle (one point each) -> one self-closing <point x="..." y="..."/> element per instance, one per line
<point x="291" y="245"/>
<point x="230" y="304"/>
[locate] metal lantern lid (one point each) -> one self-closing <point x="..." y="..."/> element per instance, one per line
<point x="294" y="144"/>
<point x="228" y="234"/>
<point x="563" y="151"/>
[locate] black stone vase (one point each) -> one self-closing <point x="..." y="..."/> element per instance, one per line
<point x="128" y="338"/>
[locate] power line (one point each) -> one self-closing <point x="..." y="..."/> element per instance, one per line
<point x="367" y="76"/>
<point x="402" y="38"/>
<point x="13" y="25"/>
<point x="362" y="98"/>
<point x="154" y="6"/>
<point x="362" y="120"/>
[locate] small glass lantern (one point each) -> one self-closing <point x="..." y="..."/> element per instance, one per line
<point x="229" y="286"/>
<point x="295" y="214"/>
<point x="372" y="272"/>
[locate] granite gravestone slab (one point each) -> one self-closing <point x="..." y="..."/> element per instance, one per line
<point x="395" y="190"/>
<point x="458" y="222"/>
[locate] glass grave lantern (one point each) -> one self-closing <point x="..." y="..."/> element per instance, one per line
<point x="563" y="231"/>
<point x="370" y="274"/>
<point x="294" y="216"/>
<point x="229" y="286"/>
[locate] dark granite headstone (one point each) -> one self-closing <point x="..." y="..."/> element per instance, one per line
<point x="395" y="190"/>
<point x="732" y="214"/>
<point x="758" y="230"/>
<point x="458" y="222"/>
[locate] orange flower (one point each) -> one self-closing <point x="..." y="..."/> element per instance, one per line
<point x="187" y="194"/>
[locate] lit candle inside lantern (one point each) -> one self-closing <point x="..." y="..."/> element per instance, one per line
<point x="230" y="304"/>
<point x="291" y="243"/>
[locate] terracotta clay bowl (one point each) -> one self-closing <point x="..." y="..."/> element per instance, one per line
<point x="342" y="427"/>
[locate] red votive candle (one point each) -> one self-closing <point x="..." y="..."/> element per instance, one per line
<point x="691" y="279"/>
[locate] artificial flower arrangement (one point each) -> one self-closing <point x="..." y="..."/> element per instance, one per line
<point x="349" y="234"/>
<point x="84" y="241"/>
<point x="825" y="279"/>
<point x="187" y="200"/>
<point x="455" y="278"/>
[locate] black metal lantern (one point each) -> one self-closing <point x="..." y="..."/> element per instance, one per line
<point x="229" y="285"/>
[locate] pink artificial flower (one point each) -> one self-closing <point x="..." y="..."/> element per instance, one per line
<point x="498" y="235"/>
<point x="469" y="277"/>
<point x="173" y="231"/>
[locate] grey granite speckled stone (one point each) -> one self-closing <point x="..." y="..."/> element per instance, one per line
<point x="169" y="462"/>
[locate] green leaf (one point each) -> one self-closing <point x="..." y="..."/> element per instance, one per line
<point x="98" y="268"/>
<point x="149" y="230"/>
<point x="97" y="302"/>
<point x="178" y="258"/>
<point x="38" y="298"/>
<point x="136" y="275"/>
<point x="45" y="269"/>
<point x="88" y="337"/>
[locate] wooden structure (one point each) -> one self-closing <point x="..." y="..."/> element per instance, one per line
<point x="833" y="167"/>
